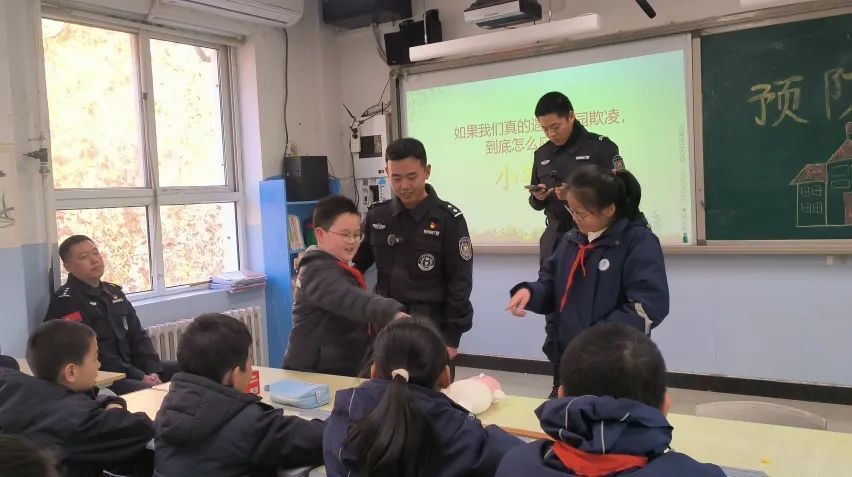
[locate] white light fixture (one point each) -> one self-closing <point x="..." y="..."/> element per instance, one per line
<point x="507" y="39"/>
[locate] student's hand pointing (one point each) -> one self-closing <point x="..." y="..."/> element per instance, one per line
<point x="518" y="304"/>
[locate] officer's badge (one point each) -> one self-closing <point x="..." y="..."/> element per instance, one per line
<point x="465" y="248"/>
<point x="124" y="322"/>
<point x="603" y="265"/>
<point x="545" y="162"/>
<point x="379" y="226"/>
<point x="93" y="303"/>
<point x="432" y="229"/>
<point x="426" y="262"/>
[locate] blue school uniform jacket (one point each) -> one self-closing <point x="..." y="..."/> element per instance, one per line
<point x="602" y="428"/>
<point x="620" y="277"/>
<point x="467" y="448"/>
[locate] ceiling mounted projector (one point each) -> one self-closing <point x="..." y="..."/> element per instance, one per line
<point x="502" y="13"/>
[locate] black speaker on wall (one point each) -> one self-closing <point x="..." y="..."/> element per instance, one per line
<point x="306" y="177"/>
<point x="412" y="33"/>
<point x="360" y="13"/>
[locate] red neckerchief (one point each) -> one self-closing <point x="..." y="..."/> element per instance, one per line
<point x="578" y="262"/>
<point x="362" y="282"/>
<point x="359" y="277"/>
<point x="585" y="464"/>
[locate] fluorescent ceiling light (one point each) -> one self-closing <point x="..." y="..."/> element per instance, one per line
<point x="508" y="39"/>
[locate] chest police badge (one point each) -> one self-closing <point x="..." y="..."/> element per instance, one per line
<point x="465" y="248"/>
<point x="426" y="262"/>
<point x="603" y="265"/>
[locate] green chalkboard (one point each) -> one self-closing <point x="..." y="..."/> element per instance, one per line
<point x="777" y="131"/>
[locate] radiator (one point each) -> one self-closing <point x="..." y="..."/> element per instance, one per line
<point x="165" y="337"/>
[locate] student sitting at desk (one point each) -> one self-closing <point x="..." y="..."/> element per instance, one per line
<point x="208" y="426"/>
<point x="124" y="346"/>
<point x="57" y="408"/>
<point x="609" y="418"/>
<point x="608" y="268"/>
<point x="334" y="315"/>
<point x="398" y="424"/>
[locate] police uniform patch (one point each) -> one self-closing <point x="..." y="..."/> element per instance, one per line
<point x="465" y="248"/>
<point x="426" y="262"/>
<point x="379" y="226"/>
<point x="124" y="322"/>
<point x="393" y="240"/>
<point x="93" y="303"/>
<point x="603" y="265"/>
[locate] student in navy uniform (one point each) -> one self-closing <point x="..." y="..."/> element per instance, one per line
<point x="609" y="268"/>
<point x="569" y="148"/>
<point x="399" y="424"/>
<point x="420" y="246"/>
<point x="610" y="417"/>
<point x="334" y="315"/>
<point x="57" y="408"/>
<point x="124" y="346"/>
<point x="209" y="426"/>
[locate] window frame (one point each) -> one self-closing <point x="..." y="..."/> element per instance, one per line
<point x="152" y="196"/>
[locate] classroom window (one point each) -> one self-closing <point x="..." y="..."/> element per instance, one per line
<point x="142" y="151"/>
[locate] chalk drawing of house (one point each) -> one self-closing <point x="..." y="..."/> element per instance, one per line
<point x="824" y="191"/>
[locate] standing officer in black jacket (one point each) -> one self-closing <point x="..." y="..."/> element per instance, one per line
<point x="570" y="147"/>
<point x="420" y="245"/>
<point x="123" y="345"/>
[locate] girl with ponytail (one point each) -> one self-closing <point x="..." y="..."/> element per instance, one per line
<point x="609" y="268"/>
<point x="399" y="424"/>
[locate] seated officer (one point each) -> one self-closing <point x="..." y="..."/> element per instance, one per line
<point x="124" y="346"/>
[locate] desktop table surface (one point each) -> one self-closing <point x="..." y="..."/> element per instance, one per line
<point x="779" y="451"/>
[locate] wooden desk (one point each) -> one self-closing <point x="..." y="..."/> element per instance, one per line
<point x="104" y="378"/>
<point x="777" y="450"/>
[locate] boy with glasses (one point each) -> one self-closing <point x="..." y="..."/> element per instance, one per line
<point x="334" y="315"/>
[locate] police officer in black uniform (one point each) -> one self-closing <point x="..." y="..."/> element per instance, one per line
<point x="420" y="245"/>
<point x="570" y="146"/>
<point x="123" y="345"/>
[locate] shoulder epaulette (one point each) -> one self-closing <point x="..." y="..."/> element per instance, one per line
<point x="374" y="204"/>
<point x="451" y="208"/>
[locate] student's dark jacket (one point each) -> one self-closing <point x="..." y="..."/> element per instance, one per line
<point x="603" y="425"/>
<point x="123" y="345"/>
<point x="207" y="429"/>
<point x="332" y="316"/>
<point x="466" y="448"/>
<point x="625" y="282"/>
<point x="75" y="427"/>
